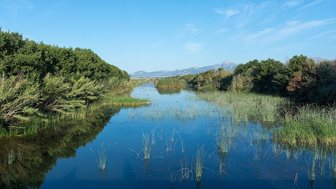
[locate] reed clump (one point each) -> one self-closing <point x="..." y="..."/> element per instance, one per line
<point x="309" y="125"/>
<point x="296" y="124"/>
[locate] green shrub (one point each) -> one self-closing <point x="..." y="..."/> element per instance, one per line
<point x="56" y="96"/>
<point x="18" y="100"/>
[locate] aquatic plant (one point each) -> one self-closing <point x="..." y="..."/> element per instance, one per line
<point x="102" y="160"/>
<point x="311" y="167"/>
<point x="308" y="125"/>
<point x="199" y="163"/>
<point x="146" y="146"/>
<point x="223" y="141"/>
<point x="127" y="101"/>
<point x="101" y="157"/>
<point x="247" y="106"/>
<point x="299" y="125"/>
<point x="181" y="142"/>
<point x="153" y="137"/>
<point x="171" y="141"/>
<point x="185" y="170"/>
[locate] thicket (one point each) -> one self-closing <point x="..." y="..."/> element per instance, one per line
<point x="38" y="79"/>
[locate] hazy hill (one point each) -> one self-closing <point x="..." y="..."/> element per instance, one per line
<point x="194" y="70"/>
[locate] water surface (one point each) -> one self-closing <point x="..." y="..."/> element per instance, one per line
<point x="177" y="125"/>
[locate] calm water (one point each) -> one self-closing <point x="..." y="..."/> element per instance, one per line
<point x="176" y="125"/>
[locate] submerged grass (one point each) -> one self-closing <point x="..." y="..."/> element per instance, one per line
<point x="199" y="163"/>
<point x="127" y="101"/>
<point x="307" y="125"/>
<point x="146" y="146"/>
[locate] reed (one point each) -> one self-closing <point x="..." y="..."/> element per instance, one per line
<point x="223" y="141"/>
<point x="102" y="160"/>
<point x="101" y="157"/>
<point x="146" y="146"/>
<point x="199" y="163"/>
<point x="185" y="171"/>
<point x="247" y="106"/>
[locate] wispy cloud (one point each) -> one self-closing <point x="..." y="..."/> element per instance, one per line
<point x="289" y="29"/>
<point x="226" y="13"/>
<point x="294" y="27"/>
<point x="191" y="29"/>
<point x="193" y="47"/>
<point x="311" y="4"/>
<point x="255" y="13"/>
<point x="260" y="34"/>
<point x="330" y="33"/>
<point x="293" y="3"/>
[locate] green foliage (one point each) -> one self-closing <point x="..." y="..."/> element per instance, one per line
<point x="326" y="91"/>
<point x="267" y="76"/>
<point x="86" y="90"/>
<point x="301" y="78"/>
<point x="19" y="56"/>
<point x="57" y="96"/>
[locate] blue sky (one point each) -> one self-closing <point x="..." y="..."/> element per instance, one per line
<point x="173" y="34"/>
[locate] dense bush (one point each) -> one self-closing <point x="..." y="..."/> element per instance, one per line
<point x="267" y="76"/>
<point x="301" y="78"/>
<point x="19" y="56"/>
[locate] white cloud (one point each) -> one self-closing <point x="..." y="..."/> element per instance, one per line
<point x="192" y="47"/>
<point x="226" y="13"/>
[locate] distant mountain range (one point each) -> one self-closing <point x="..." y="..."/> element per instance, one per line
<point x="229" y="66"/>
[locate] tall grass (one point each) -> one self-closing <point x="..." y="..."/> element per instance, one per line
<point x="247" y="106"/>
<point x="169" y="83"/>
<point x="308" y="125"/>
